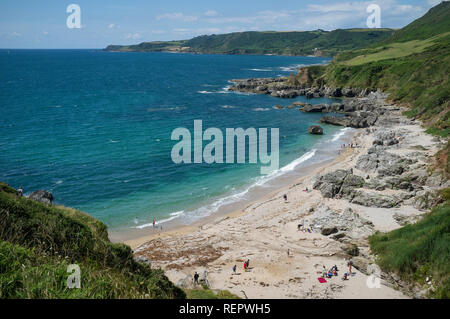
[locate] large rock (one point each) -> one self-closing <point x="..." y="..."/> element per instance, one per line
<point x="341" y="182"/>
<point x="42" y="196"/>
<point x="315" y="129"/>
<point x="370" y="199"/>
<point x="314" y="108"/>
<point x="348" y="223"/>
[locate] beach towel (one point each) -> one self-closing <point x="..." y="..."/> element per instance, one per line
<point x="321" y="280"/>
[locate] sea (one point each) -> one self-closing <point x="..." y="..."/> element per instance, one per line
<point x="94" y="128"/>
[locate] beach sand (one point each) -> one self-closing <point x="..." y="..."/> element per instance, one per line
<point x="266" y="229"/>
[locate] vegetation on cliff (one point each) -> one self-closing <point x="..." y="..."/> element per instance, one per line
<point x="319" y="42"/>
<point x="419" y="251"/>
<point x="413" y="65"/>
<point x="38" y="242"/>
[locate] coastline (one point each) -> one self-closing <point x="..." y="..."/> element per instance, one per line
<point x="286" y="262"/>
<point x="252" y="193"/>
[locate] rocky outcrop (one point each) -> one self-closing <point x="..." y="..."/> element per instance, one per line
<point x="42" y="196"/>
<point x="348" y="224"/>
<point x="341" y="182"/>
<point x="315" y="129"/>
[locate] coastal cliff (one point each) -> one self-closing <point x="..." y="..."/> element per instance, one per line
<point x="314" y="43"/>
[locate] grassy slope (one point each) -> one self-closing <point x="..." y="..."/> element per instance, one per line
<point x="38" y="242"/>
<point x="418" y="251"/>
<point x="270" y="42"/>
<point x="413" y="65"/>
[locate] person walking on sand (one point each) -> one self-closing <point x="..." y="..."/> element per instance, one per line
<point x="153" y="223"/>
<point x="349" y="267"/>
<point x="288" y="252"/>
<point x="234" y="269"/>
<point x="20" y="191"/>
<point x="248" y="263"/>
<point x="196" y="278"/>
<point x="245" y="266"/>
<point x="285" y="197"/>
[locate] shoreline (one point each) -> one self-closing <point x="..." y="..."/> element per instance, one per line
<point x="134" y="236"/>
<point x="286" y="262"/>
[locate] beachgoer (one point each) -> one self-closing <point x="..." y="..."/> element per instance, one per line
<point x="196" y="277"/>
<point x="288" y="252"/>
<point x="299" y="226"/>
<point x="349" y="264"/>
<point x="20" y="191"/>
<point x="324" y="272"/>
<point x="153" y="222"/>
<point x="245" y="266"/>
<point x="234" y="269"/>
<point x="248" y="263"/>
<point x="345" y="276"/>
<point x="285" y="197"/>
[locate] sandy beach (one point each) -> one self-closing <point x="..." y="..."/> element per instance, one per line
<point x="286" y="260"/>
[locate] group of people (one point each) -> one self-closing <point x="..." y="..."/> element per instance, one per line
<point x="303" y="228"/>
<point x="349" y="145"/>
<point x="333" y="271"/>
<point x="329" y="273"/>
<point x="246" y="266"/>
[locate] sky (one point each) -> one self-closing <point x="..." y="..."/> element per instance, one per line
<point x="42" y="24"/>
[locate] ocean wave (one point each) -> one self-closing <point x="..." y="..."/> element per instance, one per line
<point x="224" y="90"/>
<point x="260" y="70"/>
<point x="228" y="106"/>
<point x="339" y="134"/>
<point x="162" y="221"/>
<point x="261" y="109"/>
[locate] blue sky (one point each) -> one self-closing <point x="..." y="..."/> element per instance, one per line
<point x="42" y="24"/>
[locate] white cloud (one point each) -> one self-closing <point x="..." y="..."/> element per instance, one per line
<point x="211" y="13"/>
<point x="177" y="16"/>
<point x="434" y="2"/>
<point x="133" y="36"/>
<point x="111" y="26"/>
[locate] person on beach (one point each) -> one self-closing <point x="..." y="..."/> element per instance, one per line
<point x="153" y="223"/>
<point x="285" y="197"/>
<point x="349" y="264"/>
<point x="20" y="191"/>
<point x="288" y="252"/>
<point x="248" y="263"/>
<point x="245" y="266"/>
<point x="196" y="278"/>
<point x="324" y="272"/>
<point x="234" y="269"/>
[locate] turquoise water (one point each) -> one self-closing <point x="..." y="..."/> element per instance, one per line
<point x="94" y="128"/>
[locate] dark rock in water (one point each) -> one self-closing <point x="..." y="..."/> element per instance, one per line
<point x="315" y="129"/>
<point x="278" y="107"/>
<point x="314" y="108"/>
<point x="42" y="196"/>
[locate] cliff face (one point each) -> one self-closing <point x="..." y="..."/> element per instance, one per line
<point x="39" y="241"/>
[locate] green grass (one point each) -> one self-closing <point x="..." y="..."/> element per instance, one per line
<point x="205" y="293"/>
<point x="269" y="42"/>
<point x="419" y="250"/>
<point x="394" y="50"/>
<point x="38" y="242"/>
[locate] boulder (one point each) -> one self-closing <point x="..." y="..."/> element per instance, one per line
<point x="42" y="196"/>
<point x="315" y="129"/>
<point x="314" y="108"/>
